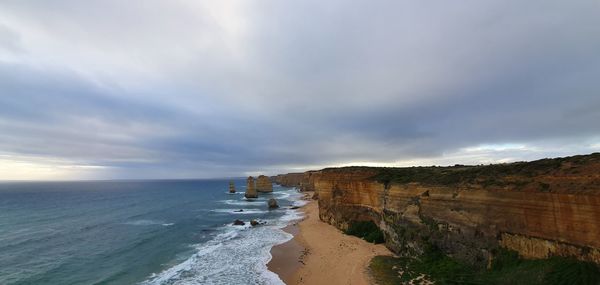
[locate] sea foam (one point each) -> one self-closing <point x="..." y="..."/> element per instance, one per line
<point x="238" y="254"/>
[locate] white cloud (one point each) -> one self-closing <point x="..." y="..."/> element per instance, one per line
<point x="17" y="167"/>
<point x="206" y="88"/>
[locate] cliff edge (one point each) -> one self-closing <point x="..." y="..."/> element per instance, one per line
<point x="543" y="208"/>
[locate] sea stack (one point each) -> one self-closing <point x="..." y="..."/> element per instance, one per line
<point x="272" y="204"/>
<point x="250" y="189"/>
<point x="231" y="187"/>
<point x="263" y="184"/>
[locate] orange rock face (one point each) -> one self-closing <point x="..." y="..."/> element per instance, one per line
<point x="263" y="184"/>
<point x="290" y="179"/>
<point x="250" y="188"/>
<point x="553" y="210"/>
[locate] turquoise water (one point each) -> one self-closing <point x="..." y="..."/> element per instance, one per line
<point x="138" y="232"/>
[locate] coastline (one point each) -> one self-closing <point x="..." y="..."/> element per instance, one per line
<point x="285" y="261"/>
<point x="321" y="254"/>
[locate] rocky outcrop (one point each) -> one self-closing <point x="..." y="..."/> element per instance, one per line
<point x="290" y="179"/>
<point x="263" y="184"/>
<point x="255" y="223"/>
<point x="231" y="187"/>
<point x="308" y="181"/>
<point x="303" y="181"/>
<point x="539" y="209"/>
<point x="250" y="189"/>
<point x="272" y="204"/>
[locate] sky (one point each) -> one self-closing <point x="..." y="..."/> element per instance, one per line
<point x="197" y="89"/>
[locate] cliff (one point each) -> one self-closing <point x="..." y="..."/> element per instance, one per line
<point x="264" y="184"/>
<point x="290" y="179"/>
<point x="539" y="209"/>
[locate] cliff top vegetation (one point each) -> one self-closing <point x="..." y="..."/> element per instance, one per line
<point x="538" y="175"/>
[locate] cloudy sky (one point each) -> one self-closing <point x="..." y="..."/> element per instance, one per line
<point x="117" y="89"/>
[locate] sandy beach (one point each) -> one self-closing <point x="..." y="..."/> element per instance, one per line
<point x="321" y="254"/>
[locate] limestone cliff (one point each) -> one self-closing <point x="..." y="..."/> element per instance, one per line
<point x="290" y="179"/>
<point x="539" y="209"/>
<point x="264" y="184"/>
<point x="250" y="188"/>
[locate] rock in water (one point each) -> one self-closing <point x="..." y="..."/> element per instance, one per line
<point x="264" y="184"/>
<point x="238" y="223"/>
<point x="231" y="187"/>
<point x="272" y="203"/>
<point x="250" y="190"/>
<point x="253" y="223"/>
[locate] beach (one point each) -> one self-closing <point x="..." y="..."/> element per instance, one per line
<point x="319" y="253"/>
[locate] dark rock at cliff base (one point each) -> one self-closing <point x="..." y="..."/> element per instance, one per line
<point x="272" y="203"/>
<point x="294" y="207"/>
<point x="257" y="223"/>
<point x="238" y="223"/>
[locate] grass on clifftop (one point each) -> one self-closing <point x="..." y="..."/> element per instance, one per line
<point x="507" y="268"/>
<point x="366" y="230"/>
<point x="486" y="175"/>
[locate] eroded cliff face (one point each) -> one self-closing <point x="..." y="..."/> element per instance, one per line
<point x="539" y="210"/>
<point x="290" y="179"/>
<point x="263" y="184"/>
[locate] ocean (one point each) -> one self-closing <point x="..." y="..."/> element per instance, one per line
<point x="139" y="232"/>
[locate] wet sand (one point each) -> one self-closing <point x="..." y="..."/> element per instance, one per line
<point x="285" y="260"/>
<point x="321" y="254"/>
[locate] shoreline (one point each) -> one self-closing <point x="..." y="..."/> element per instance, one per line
<point x="319" y="253"/>
<point x="284" y="256"/>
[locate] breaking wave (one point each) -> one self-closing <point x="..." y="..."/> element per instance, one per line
<point x="237" y="254"/>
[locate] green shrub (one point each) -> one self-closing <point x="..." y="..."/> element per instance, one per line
<point x="505" y="259"/>
<point x="569" y="271"/>
<point x="507" y="268"/>
<point x="375" y="237"/>
<point x="497" y="175"/>
<point x="366" y="230"/>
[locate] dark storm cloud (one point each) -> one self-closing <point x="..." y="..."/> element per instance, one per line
<point x="199" y="89"/>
